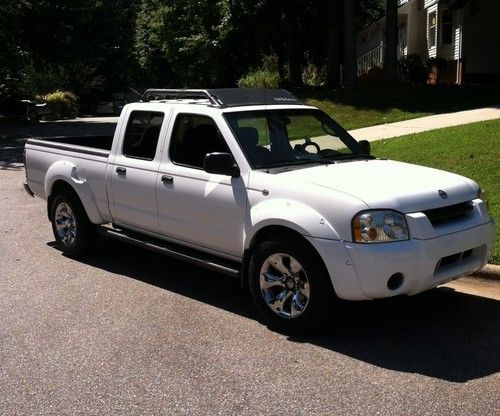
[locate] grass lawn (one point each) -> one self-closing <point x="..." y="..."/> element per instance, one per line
<point x="370" y="105"/>
<point x="472" y="150"/>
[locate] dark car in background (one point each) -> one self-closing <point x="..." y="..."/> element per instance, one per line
<point x="112" y="107"/>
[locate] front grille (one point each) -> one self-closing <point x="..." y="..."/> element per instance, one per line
<point x="450" y="213"/>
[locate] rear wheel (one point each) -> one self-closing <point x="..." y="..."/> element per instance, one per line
<point x="73" y="231"/>
<point x="290" y="286"/>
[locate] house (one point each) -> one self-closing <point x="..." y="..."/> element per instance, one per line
<point x="468" y="39"/>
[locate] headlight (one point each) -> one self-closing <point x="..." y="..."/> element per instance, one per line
<point x="379" y="226"/>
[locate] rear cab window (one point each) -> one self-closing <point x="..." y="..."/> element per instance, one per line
<point x="142" y="134"/>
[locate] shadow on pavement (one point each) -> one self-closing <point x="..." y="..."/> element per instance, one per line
<point x="441" y="333"/>
<point x="13" y="136"/>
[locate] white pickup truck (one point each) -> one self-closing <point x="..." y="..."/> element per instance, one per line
<point x="255" y="184"/>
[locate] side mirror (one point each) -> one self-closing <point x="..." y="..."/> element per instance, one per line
<point x="221" y="164"/>
<point x="365" y="144"/>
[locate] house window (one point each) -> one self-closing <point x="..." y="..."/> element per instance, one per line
<point x="432" y="29"/>
<point x="447" y="28"/>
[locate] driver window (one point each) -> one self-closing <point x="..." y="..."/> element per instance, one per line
<point x="193" y="137"/>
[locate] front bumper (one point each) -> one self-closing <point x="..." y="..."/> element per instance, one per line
<point x="362" y="271"/>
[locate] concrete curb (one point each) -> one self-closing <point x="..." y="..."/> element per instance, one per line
<point x="489" y="272"/>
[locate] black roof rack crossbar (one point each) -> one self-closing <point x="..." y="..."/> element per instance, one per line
<point x="176" y="94"/>
<point x="227" y="97"/>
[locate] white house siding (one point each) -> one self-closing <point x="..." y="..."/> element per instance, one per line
<point x="481" y="39"/>
<point x="416" y="30"/>
<point x="456" y="52"/>
<point x="446" y="51"/>
<point x="429" y="3"/>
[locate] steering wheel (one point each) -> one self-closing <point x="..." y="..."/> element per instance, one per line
<point x="308" y="142"/>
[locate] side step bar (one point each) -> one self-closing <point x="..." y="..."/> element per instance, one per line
<point x="176" y="251"/>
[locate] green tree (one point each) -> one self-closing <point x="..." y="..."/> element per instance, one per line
<point x="12" y="53"/>
<point x="180" y="42"/>
<point x="350" y="57"/>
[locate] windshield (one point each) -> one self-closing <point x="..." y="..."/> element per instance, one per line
<point x="278" y="138"/>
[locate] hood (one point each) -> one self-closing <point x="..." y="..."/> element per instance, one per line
<point x="389" y="184"/>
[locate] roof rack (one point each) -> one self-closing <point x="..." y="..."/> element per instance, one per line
<point x="226" y="97"/>
<point x="154" y="94"/>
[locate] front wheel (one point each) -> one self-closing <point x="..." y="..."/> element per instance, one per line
<point x="73" y="231"/>
<point x="290" y="286"/>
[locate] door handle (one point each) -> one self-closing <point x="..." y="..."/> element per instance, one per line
<point x="121" y="171"/>
<point x="168" y="180"/>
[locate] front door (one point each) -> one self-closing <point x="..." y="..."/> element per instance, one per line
<point x="195" y="207"/>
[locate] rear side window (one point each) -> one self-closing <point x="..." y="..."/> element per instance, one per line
<point x="142" y="133"/>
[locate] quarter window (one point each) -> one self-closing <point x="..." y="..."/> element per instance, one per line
<point x="142" y="134"/>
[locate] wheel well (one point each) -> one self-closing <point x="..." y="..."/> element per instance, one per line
<point x="272" y="231"/>
<point x="268" y="233"/>
<point x="59" y="187"/>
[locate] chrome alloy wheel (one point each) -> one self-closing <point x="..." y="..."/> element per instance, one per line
<point x="65" y="224"/>
<point x="284" y="285"/>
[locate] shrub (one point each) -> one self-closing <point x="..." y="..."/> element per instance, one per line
<point x="412" y="70"/>
<point x="312" y="76"/>
<point x="436" y="68"/>
<point x="374" y="76"/>
<point x="439" y="63"/>
<point x="267" y="76"/>
<point x="61" y="104"/>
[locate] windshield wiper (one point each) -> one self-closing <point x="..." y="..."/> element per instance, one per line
<point x="346" y="156"/>
<point x="292" y="162"/>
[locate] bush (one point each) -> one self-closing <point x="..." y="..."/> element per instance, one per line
<point x="436" y="69"/>
<point x="412" y="70"/>
<point x="267" y="76"/>
<point x="438" y="63"/>
<point x="60" y="104"/>
<point x="312" y="76"/>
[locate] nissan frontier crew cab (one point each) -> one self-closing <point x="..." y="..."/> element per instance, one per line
<point x="256" y="184"/>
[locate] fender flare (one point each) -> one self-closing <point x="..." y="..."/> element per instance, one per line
<point x="290" y="214"/>
<point x="75" y="177"/>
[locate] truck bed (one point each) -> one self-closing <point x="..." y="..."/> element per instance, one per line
<point x="98" y="142"/>
<point x="92" y="145"/>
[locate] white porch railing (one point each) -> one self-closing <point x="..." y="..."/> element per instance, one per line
<point x="375" y="57"/>
<point x="371" y="59"/>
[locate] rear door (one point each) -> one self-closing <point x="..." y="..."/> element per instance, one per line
<point x="134" y="171"/>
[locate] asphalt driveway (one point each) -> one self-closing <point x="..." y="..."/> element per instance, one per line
<point x="127" y="331"/>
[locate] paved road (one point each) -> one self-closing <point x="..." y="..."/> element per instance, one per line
<point x="127" y="331"/>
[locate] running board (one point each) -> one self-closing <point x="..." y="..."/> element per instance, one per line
<point x="176" y="251"/>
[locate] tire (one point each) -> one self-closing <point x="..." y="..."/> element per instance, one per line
<point x="74" y="233"/>
<point x="290" y="285"/>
